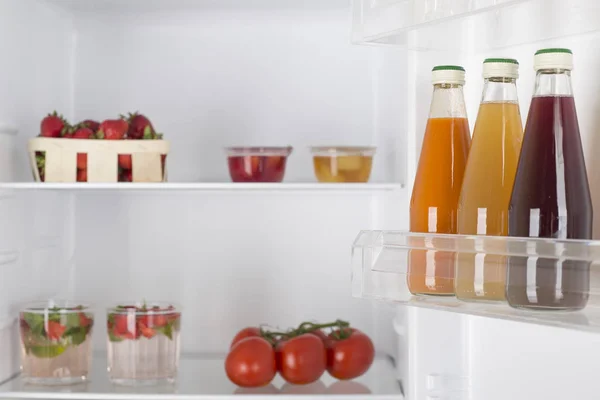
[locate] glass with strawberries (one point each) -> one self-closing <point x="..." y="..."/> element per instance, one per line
<point x="56" y="342"/>
<point x="257" y="164"/>
<point x="143" y="343"/>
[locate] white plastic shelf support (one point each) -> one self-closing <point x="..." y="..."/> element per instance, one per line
<point x="459" y="25"/>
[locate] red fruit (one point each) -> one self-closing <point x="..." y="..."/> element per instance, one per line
<point x="91" y="124"/>
<point x="351" y="354"/>
<point x="82" y="173"/>
<point x="82" y="162"/>
<point x="55" y="330"/>
<point x="125" y="161"/>
<point x="153" y="321"/>
<point x="140" y="127"/>
<point x="302" y="360"/>
<point x="52" y="126"/>
<point x="84" y="320"/>
<point x="324" y="337"/>
<point x="245" y="333"/>
<point x="251" y="363"/>
<point x="81" y="132"/>
<point x="126" y="176"/>
<point x="122" y="329"/>
<point x="146" y="332"/>
<point x="112" y="129"/>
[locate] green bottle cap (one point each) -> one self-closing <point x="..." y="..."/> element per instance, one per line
<point x="501" y="60"/>
<point x="448" y="68"/>
<point x="553" y="50"/>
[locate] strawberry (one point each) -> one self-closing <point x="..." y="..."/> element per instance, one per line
<point x="125" y="175"/>
<point x="80" y="132"/>
<point x="112" y="129"/>
<point x="82" y="175"/>
<point x="125" y="161"/>
<point x="84" y="320"/>
<point x="90" y="123"/>
<point x="53" y="126"/>
<point x="121" y="326"/>
<point x="140" y="127"/>
<point x="55" y="330"/>
<point x="147" y="332"/>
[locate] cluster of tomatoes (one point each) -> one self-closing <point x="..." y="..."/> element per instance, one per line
<point x="301" y="355"/>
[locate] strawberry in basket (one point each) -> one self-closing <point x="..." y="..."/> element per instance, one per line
<point x="53" y="126"/>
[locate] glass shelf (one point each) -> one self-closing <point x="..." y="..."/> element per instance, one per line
<point x="546" y="280"/>
<point x="203" y="377"/>
<point x="206" y="186"/>
<point x="465" y="25"/>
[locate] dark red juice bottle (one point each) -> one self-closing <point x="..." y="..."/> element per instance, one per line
<point x="551" y="196"/>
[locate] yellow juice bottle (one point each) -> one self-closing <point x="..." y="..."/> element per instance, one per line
<point x="488" y="181"/>
<point x="434" y="201"/>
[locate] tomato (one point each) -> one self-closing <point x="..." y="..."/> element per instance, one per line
<point x="351" y="357"/>
<point x="245" y="333"/>
<point x="324" y="337"/>
<point x="302" y="360"/>
<point x="251" y="363"/>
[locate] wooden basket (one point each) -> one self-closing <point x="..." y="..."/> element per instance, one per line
<point x="102" y="159"/>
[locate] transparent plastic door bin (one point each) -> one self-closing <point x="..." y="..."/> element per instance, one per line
<point x="532" y="279"/>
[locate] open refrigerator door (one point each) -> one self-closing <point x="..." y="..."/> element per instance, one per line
<point x="472" y="350"/>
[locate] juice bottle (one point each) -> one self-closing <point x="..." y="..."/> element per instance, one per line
<point x="489" y="179"/>
<point x="434" y="202"/>
<point x="551" y="196"/>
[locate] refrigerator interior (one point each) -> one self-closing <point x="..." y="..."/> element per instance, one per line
<point x="210" y="74"/>
<point x="230" y="72"/>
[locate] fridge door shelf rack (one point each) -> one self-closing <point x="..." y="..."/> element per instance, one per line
<point x="380" y="270"/>
<point x="468" y="25"/>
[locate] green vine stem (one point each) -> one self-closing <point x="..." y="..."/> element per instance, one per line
<point x="340" y="328"/>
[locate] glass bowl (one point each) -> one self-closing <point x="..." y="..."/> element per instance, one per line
<point x="56" y="342"/>
<point x="343" y="164"/>
<point x="257" y="164"/>
<point x="144" y="342"/>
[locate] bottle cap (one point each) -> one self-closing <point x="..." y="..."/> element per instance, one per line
<point x="553" y="59"/>
<point x="450" y="74"/>
<point x="501" y="68"/>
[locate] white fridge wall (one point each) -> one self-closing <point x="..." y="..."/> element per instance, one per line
<point x="36" y="258"/>
<point x="218" y="76"/>
<point x="36" y="74"/>
<point x="231" y="260"/>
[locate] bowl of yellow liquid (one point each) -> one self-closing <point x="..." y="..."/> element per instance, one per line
<point x="343" y="164"/>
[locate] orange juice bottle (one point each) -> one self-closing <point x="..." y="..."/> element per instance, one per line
<point x="434" y="202"/>
<point x="489" y="179"/>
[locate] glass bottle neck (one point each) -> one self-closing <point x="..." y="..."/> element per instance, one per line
<point x="448" y="101"/>
<point x="500" y="90"/>
<point x="553" y="82"/>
